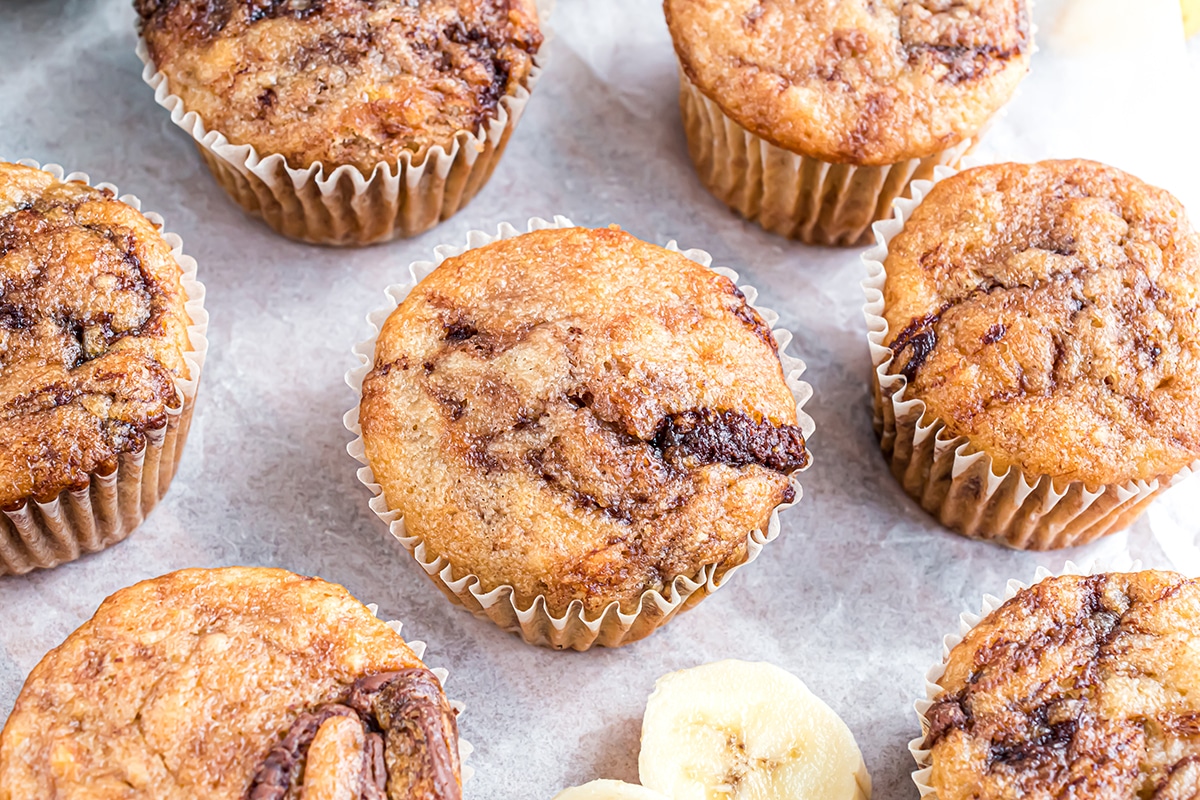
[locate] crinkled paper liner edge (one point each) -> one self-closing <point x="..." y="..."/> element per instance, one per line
<point x="958" y="484"/>
<point x="465" y="748"/>
<point x="789" y="194"/>
<point x="535" y="624"/>
<point x="966" y="622"/>
<point x="347" y="207"/>
<point x="93" y="517"/>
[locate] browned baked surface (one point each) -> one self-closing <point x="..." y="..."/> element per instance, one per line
<point x="579" y="414"/>
<point x="191" y="686"/>
<point x="342" y="81"/>
<point x="1051" y="313"/>
<point x="866" y="82"/>
<point x="1078" y="687"/>
<point x="92" y="332"/>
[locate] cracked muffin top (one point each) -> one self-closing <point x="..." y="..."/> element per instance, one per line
<point x="1051" y="313"/>
<point x="231" y="684"/>
<point x="865" y="82"/>
<point x="342" y="81"/>
<point x="92" y="333"/>
<point x="1082" y="687"/>
<point x="580" y="415"/>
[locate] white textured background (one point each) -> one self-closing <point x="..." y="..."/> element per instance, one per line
<point x="854" y="597"/>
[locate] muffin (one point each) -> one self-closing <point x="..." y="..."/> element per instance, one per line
<point x="101" y="342"/>
<point x="811" y="117"/>
<point x="1076" y="687"/>
<point x="227" y="684"/>
<point x="343" y="122"/>
<point x="1036" y="337"/>
<point x="579" y="430"/>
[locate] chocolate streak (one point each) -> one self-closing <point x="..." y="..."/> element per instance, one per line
<point x="411" y="741"/>
<point x="705" y="436"/>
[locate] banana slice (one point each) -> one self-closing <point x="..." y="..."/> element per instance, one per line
<point x="609" y="790"/>
<point x="750" y="731"/>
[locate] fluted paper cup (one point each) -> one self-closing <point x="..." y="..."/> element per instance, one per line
<point x="574" y="629"/>
<point x="92" y="517"/>
<point x="342" y="205"/>
<point x="959" y="484"/>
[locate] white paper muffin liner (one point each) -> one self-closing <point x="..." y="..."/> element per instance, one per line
<point x="534" y="623"/>
<point x="955" y="482"/>
<point x="93" y="517"/>
<point x="344" y="206"/>
<point x="792" y="195"/>
<point x="966" y="622"/>
<point x="465" y="748"/>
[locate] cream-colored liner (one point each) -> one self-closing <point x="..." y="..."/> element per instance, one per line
<point x="84" y="520"/>
<point x="966" y="622"/>
<point x="465" y="748"/>
<point x="346" y="207"/>
<point x="612" y="627"/>
<point x="958" y="484"/>
<point x="789" y="194"/>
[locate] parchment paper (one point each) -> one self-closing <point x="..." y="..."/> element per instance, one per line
<point x="854" y="597"/>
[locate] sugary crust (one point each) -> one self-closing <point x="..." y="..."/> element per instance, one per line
<point x="92" y="332"/>
<point x="580" y="415"/>
<point x="1082" y="687"/>
<point x="179" y="686"/>
<point x="342" y="81"/>
<point x="867" y="83"/>
<point x="1051" y="314"/>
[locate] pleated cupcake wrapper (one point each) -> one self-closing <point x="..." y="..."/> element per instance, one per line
<point x="534" y="623"/>
<point x="465" y="748"/>
<point x="955" y="482"/>
<point x="346" y="207"/>
<point x="105" y="511"/>
<point x="814" y="201"/>
<point x="966" y="622"/>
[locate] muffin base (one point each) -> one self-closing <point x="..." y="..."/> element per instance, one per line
<point x="967" y="621"/>
<point x="958" y="484"/>
<point x="534" y="623"/>
<point x="84" y="520"/>
<point x="792" y="195"/>
<point x="346" y="207"/>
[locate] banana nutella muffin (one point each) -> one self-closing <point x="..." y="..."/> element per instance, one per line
<point x="231" y="684"/>
<point x="1046" y="317"/>
<point x="415" y="99"/>
<point x="1076" y="687"/>
<point x="579" y="417"/>
<point x="811" y="117"/>
<point x="96" y="387"/>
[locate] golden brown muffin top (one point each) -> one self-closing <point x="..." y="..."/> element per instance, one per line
<point x="1084" y="687"/>
<point x="580" y="414"/>
<point x="342" y="81"/>
<point x="92" y="332"/>
<point x="221" y="685"/>
<point x="865" y="82"/>
<point x="1051" y="313"/>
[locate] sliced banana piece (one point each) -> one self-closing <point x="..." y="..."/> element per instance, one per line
<point x="609" y="790"/>
<point x="750" y="731"/>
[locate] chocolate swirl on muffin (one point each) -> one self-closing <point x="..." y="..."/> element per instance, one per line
<point x="1050" y="313"/>
<point x="342" y="81"/>
<point x="1077" y="686"/>
<point x="92" y="333"/>
<point x="401" y="743"/>
<point x="580" y="415"/>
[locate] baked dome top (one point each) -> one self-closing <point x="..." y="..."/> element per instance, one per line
<point x="581" y="415"/>
<point x="92" y="332"/>
<point x="196" y="685"/>
<point x="866" y="82"/>
<point x="1076" y="687"/>
<point x="342" y="81"/>
<point x="1051" y="314"/>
